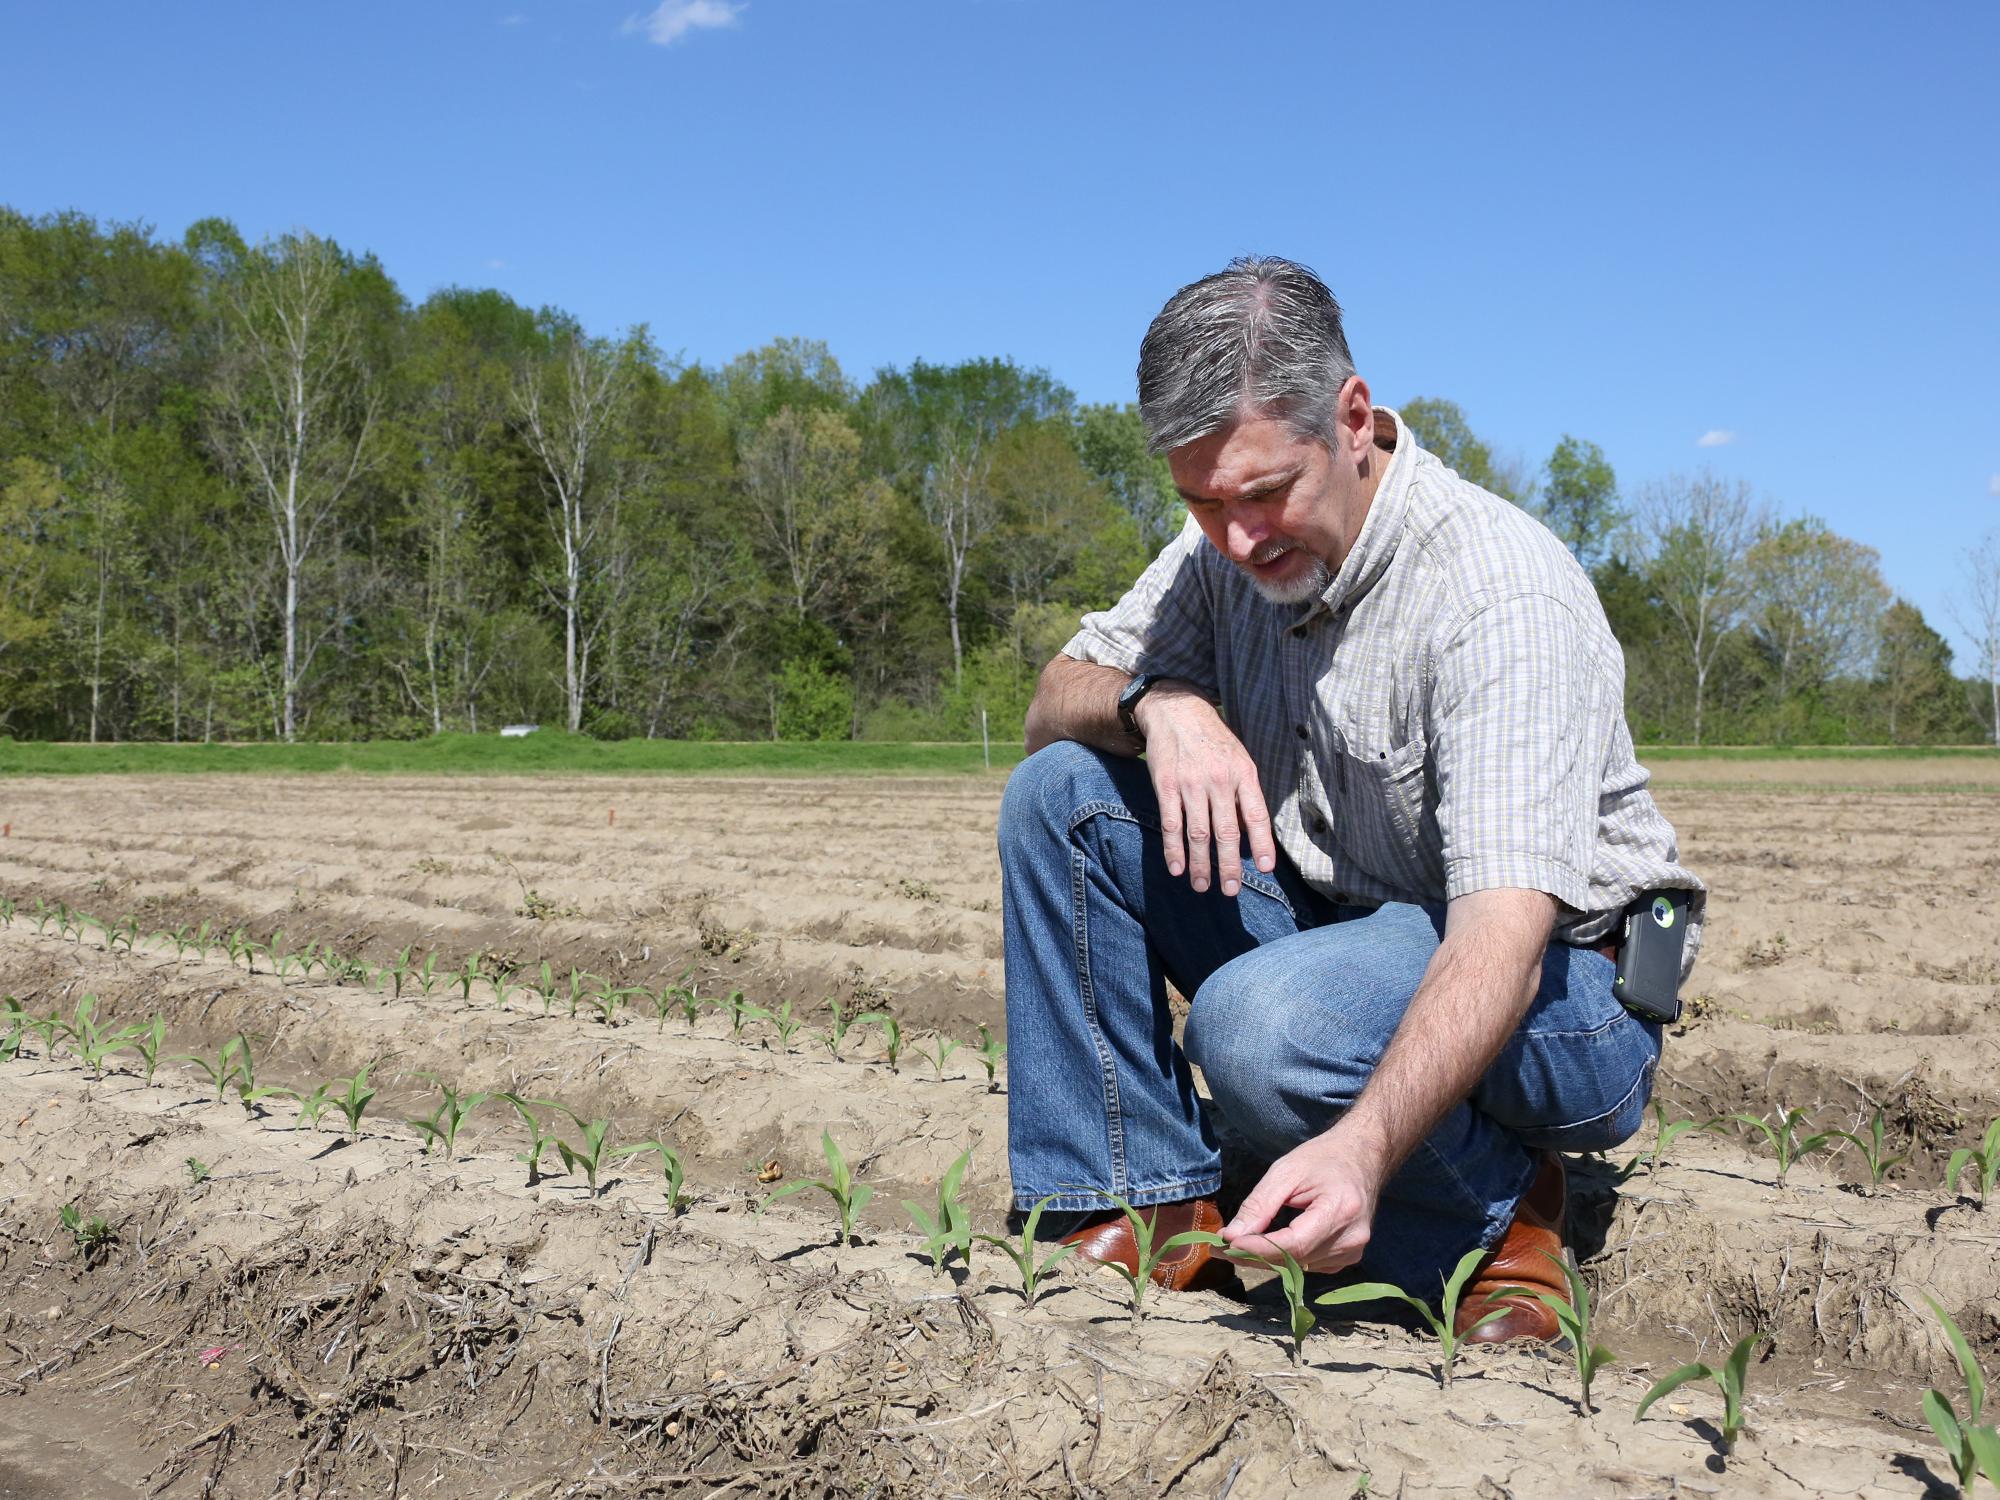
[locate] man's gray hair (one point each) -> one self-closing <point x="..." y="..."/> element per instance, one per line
<point x="1262" y="336"/>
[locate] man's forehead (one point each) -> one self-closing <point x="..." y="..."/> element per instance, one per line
<point x="1242" y="458"/>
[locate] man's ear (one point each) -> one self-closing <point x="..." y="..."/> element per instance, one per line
<point x="1354" y="420"/>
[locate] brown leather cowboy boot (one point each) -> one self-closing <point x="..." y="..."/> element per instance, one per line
<point x="1110" y="1241"/>
<point x="1520" y="1259"/>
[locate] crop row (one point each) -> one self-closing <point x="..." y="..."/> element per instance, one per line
<point x="946" y="1226"/>
<point x="573" y="993"/>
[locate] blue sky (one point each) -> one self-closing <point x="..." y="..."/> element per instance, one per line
<point x="1771" y="226"/>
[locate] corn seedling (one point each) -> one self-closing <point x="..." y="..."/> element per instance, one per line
<point x="92" y="1043"/>
<point x="10" y="1044"/>
<point x="1729" y="1380"/>
<point x="608" y="997"/>
<point x="951" y="1229"/>
<point x="441" y="1129"/>
<point x="93" y="1236"/>
<point x="1971" y="1448"/>
<point x="1665" y="1133"/>
<point x="1874" y="1151"/>
<point x="990" y="1052"/>
<point x="589" y="1152"/>
<point x="311" y="1107"/>
<point x="670" y="1162"/>
<point x="574" y="992"/>
<point x="739" y="1011"/>
<point x="146" y="1041"/>
<point x="1150" y="1254"/>
<point x="849" y="1197"/>
<point x="354" y="1097"/>
<point x="41" y="916"/>
<point x="1292" y="1278"/>
<point x="1032" y="1271"/>
<point x="231" y="1063"/>
<point x="785" y="1024"/>
<point x="892" y="1033"/>
<point x="70" y="923"/>
<point x="680" y="993"/>
<point x="46" y="1027"/>
<point x="538" y="1131"/>
<point x="197" y="1171"/>
<point x="836" y="1031"/>
<point x="428" y="976"/>
<point x="1985" y="1157"/>
<point x="1440" y="1322"/>
<point x="1783" y="1136"/>
<point x="396" y="971"/>
<point x="942" y="1048"/>
<point x="468" y="975"/>
<point x="1573" y="1317"/>
<point x="125" y="932"/>
<point x="504" y="987"/>
<point x="241" y="949"/>
<point x="6" y="911"/>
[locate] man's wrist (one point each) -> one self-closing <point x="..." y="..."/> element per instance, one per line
<point x="1160" y="697"/>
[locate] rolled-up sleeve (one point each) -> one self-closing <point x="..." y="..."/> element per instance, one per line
<point x="1165" y="623"/>
<point x="1515" y="724"/>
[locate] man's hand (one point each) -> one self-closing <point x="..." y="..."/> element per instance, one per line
<point x="1207" y="786"/>
<point x="1334" y="1183"/>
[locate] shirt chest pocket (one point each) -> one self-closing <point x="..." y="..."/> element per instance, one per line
<point x="1379" y="817"/>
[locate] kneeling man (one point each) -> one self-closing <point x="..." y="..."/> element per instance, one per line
<point x="1385" y="831"/>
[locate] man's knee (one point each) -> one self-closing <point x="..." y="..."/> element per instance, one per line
<point x="1265" y="1053"/>
<point x="1045" y="791"/>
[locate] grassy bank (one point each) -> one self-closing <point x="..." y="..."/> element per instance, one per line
<point x="545" y="753"/>
<point x="489" y="755"/>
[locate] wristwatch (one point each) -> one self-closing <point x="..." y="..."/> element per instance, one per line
<point x="1128" y="701"/>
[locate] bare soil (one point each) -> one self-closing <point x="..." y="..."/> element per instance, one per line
<point x="334" y="1313"/>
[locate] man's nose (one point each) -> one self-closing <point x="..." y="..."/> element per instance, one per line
<point x="1246" y="534"/>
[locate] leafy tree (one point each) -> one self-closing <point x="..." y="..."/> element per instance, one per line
<point x="296" y="413"/>
<point x="1693" y="534"/>
<point x="1976" y="609"/>
<point x="1579" y="501"/>
<point x="1815" y="601"/>
<point x="1918" y="696"/>
<point x="1440" y="426"/>
<point x="1112" y="443"/>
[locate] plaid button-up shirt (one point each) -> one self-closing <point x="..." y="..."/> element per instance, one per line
<point x="1449" y="716"/>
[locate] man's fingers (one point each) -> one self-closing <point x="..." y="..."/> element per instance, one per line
<point x="1272" y="1192"/>
<point x="1257" y="823"/>
<point x="1170" y="825"/>
<point x="1197" y="840"/>
<point x="1228" y="841"/>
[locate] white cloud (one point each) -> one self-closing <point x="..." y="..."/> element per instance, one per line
<point x="1715" y="437"/>
<point x="513" y="20"/>
<point x="1993" y="486"/>
<point x="496" y="265"/>
<point x="673" y="19"/>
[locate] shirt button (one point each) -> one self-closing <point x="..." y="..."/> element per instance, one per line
<point x="1319" y="824"/>
<point x="1302" y="731"/>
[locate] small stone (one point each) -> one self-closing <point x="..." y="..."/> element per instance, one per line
<point x="54" y="1315"/>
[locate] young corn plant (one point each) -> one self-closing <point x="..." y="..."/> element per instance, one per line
<point x="670" y="1163"/>
<point x="1782" y="1134"/>
<point x="1729" y="1380"/>
<point x="231" y="1065"/>
<point x="1972" y="1449"/>
<point x="1033" y="1271"/>
<point x="679" y="995"/>
<point x="146" y="1041"/>
<point x="951" y="1228"/>
<point x="504" y="987"/>
<point x="10" y="1043"/>
<point x="441" y="1129"/>
<point x="468" y="975"/>
<point x="1292" y="1278"/>
<point x="785" y="1024"/>
<point x="589" y="1152"/>
<point x="6" y="911"/>
<point x="739" y="1012"/>
<point x="313" y="1105"/>
<point x="849" y="1197"/>
<point x="1874" y="1150"/>
<point x="942" y="1048"/>
<point x="539" y="1136"/>
<point x="1665" y="1133"/>
<point x="1984" y="1158"/>
<point x="1440" y="1322"/>
<point x="92" y="1043"/>
<point x="892" y="1033"/>
<point x="125" y="933"/>
<point x="198" y="1171"/>
<point x="990" y="1052"/>
<point x="1573" y="1317"/>
<point x="353" y="1099"/>
<point x="575" y="988"/>
<point x="429" y="976"/>
<point x="396" y="971"/>
<point x="1150" y="1254"/>
<point x="42" y="915"/>
<point x="608" y="998"/>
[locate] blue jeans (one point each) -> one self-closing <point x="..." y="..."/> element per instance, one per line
<point x="1295" y="1000"/>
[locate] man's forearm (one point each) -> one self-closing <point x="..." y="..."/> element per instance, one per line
<point x="1077" y="700"/>
<point x="1471" y="1000"/>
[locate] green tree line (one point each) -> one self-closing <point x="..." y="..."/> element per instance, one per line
<point x="253" y="492"/>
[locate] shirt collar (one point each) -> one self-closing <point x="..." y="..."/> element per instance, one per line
<point x="1381" y="530"/>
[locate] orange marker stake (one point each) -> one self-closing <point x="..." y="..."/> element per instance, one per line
<point x="612" y="820"/>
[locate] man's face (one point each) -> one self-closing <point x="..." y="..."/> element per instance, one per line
<point x="1269" y="501"/>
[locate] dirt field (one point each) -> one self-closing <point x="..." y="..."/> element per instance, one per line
<point x="325" y="1313"/>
